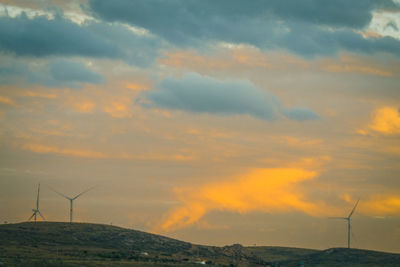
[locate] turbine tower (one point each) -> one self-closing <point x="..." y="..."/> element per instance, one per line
<point x="348" y="219"/>
<point x="36" y="211"/>
<point x="71" y="201"/>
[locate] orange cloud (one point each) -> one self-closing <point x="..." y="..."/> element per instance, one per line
<point x="119" y="108"/>
<point x="38" y="148"/>
<point x="315" y="163"/>
<point x="233" y="58"/>
<point x="244" y="57"/>
<point x="268" y="190"/>
<point x="386" y="120"/>
<point x="38" y="94"/>
<point x="136" y="86"/>
<point x="84" y="107"/>
<point x="376" y="205"/>
<point x="381" y="205"/>
<point x="48" y="149"/>
<point x="193" y="60"/>
<point x="348" y="64"/>
<point x="252" y="57"/>
<point x="293" y="141"/>
<point x="212" y="133"/>
<point x="156" y="157"/>
<point x="55" y="132"/>
<point x="7" y="101"/>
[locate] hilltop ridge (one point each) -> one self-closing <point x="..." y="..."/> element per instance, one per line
<point x="84" y="244"/>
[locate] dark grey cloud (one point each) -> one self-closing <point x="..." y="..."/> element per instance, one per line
<point x="200" y="94"/>
<point x="309" y="27"/>
<point x="338" y="13"/>
<point x="40" y="36"/>
<point x="140" y="50"/>
<point x="299" y="113"/>
<point x="70" y="71"/>
<point x="310" y="41"/>
<point x="43" y="37"/>
<point x="161" y="14"/>
<point x="57" y="73"/>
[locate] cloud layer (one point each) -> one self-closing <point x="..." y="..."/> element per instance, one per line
<point x="386" y="120"/>
<point x="354" y="14"/>
<point x="196" y="93"/>
<point x="269" y="190"/>
<point x="42" y="37"/>
<point x="56" y="73"/>
<point x="274" y="190"/>
<point x="290" y="25"/>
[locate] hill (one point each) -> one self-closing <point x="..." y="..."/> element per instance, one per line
<point x="83" y="244"/>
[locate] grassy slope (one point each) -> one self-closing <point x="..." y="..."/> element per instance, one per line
<point x="81" y="244"/>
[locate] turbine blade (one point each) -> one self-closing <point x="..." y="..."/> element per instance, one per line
<point x="61" y="194"/>
<point x="83" y="193"/>
<point x="342" y="218"/>
<point x="355" y="206"/>
<point x="41" y="215"/>
<point x="30" y="218"/>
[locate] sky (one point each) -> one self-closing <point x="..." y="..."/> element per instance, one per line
<point x="214" y="122"/>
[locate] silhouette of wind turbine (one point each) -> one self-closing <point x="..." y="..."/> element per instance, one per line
<point x="348" y="219"/>
<point x="71" y="201"/>
<point x="36" y="211"/>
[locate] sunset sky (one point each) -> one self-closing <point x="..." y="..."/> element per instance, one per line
<point x="210" y="121"/>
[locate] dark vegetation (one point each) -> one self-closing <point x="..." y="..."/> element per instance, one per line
<point x="82" y="244"/>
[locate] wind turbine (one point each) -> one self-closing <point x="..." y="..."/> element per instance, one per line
<point x="71" y="201"/>
<point x="36" y="211"/>
<point x="348" y="219"/>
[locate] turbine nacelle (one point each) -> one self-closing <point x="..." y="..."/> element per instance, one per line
<point x="36" y="211"/>
<point x="71" y="200"/>
<point x="348" y="219"/>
